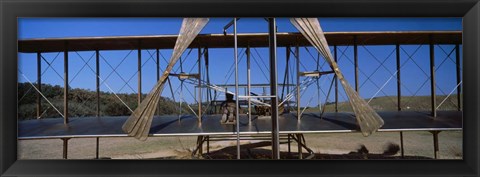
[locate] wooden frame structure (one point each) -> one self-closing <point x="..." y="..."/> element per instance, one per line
<point x="248" y="41"/>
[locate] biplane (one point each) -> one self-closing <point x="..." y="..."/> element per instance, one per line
<point x="274" y="117"/>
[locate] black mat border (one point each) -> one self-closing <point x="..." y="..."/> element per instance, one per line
<point x="9" y="10"/>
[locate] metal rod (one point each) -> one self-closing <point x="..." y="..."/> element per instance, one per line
<point x="459" y="79"/>
<point x="297" y="63"/>
<point x="336" y="79"/>
<point x="432" y="78"/>
<point x="199" y="84"/>
<point x="399" y="91"/>
<point x="65" y="86"/>
<point x="249" y="86"/>
<point x="158" y="73"/>
<point x="401" y="145"/>
<point x="257" y="96"/>
<point x="273" y="87"/>
<point x="237" y="121"/>
<point x="355" y="54"/>
<point x="139" y="76"/>
<point x="39" y="84"/>
<point x="97" y="84"/>
<point x="97" y="147"/>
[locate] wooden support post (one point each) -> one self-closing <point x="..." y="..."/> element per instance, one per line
<point x="97" y="148"/>
<point x="273" y="87"/>
<point x="355" y="54"/>
<point x="208" y="144"/>
<point x="139" y="70"/>
<point x="289" y="144"/>
<point x="209" y="91"/>
<point x="287" y="73"/>
<point x="401" y="144"/>
<point x="435" y="144"/>
<point x="336" y="79"/>
<point x="39" y="85"/>
<point x="158" y="73"/>
<point x="299" y="143"/>
<point x="199" y="85"/>
<point x="297" y="63"/>
<point x="399" y="91"/>
<point x="200" y="146"/>
<point x="248" y="86"/>
<point x="65" y="147"/>
<point x="432" y="78"/>
<point x="65" y="86"/>
<point x="97" y="79"/>
<point x="459" y="79"/>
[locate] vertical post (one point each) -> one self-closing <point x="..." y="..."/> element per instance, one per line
<point x="139" y="70"/>
<point x="355" y="54"/>
<point x="97" y="84"/>
<point x="399" y="91"/>
<point x="288" y="77"/>
<point x="289" y="144"/>
<point x="401" y="144"/>
<point x="336" y="79"/>
<point x="435" y="144"/>
<point x="39" y="84"/>
<point x="209" y="91"/>
<point x="65" y="148"/>
<point x="432" y="78"/>
<point x="459" y="79"/>
<point x="97" y="148"/>
<point x="297" y="63"/>
<point x="208" y="144"/>
<point x="318" y="86"/>
<point x="249" y="85"/>
<point x="237" y="116"/>
<point x="273" y="87"/>
<point x="199" y="85"/>
<point x="181" y="91"/>
<point x="66" y="85"/>
<point x="200" y="147"/>
<point x="158" y="73"/>
<point x="299" y="143"/>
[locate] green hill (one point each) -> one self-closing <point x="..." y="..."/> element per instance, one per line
<point x="82" y="102"/>
<point x="389" y="103"/>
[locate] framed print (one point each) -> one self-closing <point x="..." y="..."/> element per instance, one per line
<point x="239" y="88"/>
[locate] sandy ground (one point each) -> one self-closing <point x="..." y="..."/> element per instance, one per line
<point x="417" y="145"/>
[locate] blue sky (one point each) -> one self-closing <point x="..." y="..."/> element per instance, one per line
<point x="222" y="59"/>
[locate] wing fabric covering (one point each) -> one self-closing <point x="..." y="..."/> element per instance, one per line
<point x="368" y="120"/>
<point x="139" y="123"/>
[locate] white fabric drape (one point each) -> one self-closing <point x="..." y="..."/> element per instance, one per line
<point x="368" y="120"/>
<point x="139" y="123"/>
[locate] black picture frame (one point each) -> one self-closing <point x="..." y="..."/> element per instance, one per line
<point x="11" y="10"/>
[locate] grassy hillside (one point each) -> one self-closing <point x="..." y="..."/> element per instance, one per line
<point x="81" y="103"/>
<point x="389" y="103"/>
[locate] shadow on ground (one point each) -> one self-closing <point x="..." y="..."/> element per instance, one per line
<point x="255" y="151"/>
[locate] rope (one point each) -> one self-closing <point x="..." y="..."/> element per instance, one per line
<point x="368" y="120"/>
<point x="138" y="124"/>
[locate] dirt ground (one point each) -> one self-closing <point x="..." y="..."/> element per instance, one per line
<point x="381" y="145"/>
